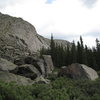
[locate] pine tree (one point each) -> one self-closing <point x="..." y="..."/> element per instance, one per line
<point x="98" y="52"/>
<point x="52" y="47"/>
<point x="94" y="51"/>
<point x="73" y="53"/>
<point x="86" y="55"/>
<point x="68" y="55"/>
<point x="79" y="54"/>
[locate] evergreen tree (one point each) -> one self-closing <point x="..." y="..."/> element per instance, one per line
<point x="52" y="47"/>
<point x="79" y="53"/>
<point x="82" y="51"/>
<point x="94" y="51"/>
<point x="68" y="55"/>
<point x="98" y="52"/>
<point x="86" y="55"/>
<point x="81" y="42"/>
<point x="73" y="53"/>
<point x="81" y="58"/>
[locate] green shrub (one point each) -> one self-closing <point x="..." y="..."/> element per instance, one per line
<point x="98" y="73"/>
<point x="59" y="89"/>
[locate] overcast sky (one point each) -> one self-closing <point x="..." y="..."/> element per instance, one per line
<point x="66" y="19"/>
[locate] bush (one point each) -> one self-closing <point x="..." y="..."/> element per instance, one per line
<point x="59" y="89"/>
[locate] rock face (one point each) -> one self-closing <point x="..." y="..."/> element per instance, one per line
<point x="44" y="65"/>
<point x="6" y="65"/>
<point x="9" y="77"/>
<point x="27" y="70"/>
<point x="41" y="66"/>
<point x="91" y="74"/>
<point x="49" y="64"/>
<point x="19" y="44"/>
<point x="78" y="71"/>
<point x="18" y="37"/>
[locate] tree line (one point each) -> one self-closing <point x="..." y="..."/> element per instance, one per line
<point x="63" y="56"/>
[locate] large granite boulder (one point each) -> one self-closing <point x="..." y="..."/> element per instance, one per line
<point x="6" y="65"/>
<point x="20" y="80"/>
<point x="78" y="71"/>
<point x="37" y="62"/>
<point x="91" y="73"/>
<point x="48" y="64"/>
<point x="40" y="64"/>
<point x="43" y="65"/>
<point x="27" y="70"/>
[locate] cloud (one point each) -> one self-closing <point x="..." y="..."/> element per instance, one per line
<point x="94" y="34"/>
<point x="89" y="3"/>
<point x="5" y="3"/>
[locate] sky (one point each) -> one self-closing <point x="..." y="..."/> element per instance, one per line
<point x="66" y="19"/>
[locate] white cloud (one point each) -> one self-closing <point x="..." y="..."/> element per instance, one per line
<point x="63" y="18"/>
<point x="5" y="3"/>
<point x="89" y="3"/>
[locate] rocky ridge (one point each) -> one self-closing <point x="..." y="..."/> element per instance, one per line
<point x="18" y="37"/>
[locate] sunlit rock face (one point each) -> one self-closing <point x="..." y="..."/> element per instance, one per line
<point x="18" y="37"/>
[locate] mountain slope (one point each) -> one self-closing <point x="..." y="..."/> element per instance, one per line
<point x="18" y="37"/>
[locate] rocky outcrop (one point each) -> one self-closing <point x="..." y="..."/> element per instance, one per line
<point x="9" y="77"/>
<point x="19" y="44"/>
<point x="6" y="65"/>
<point x="18" y="37"/>
<point x="78" y="71"/>
<point x="42" y="67"/>
<point x="49" y="64"/>
<point x="27" y="70"/>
